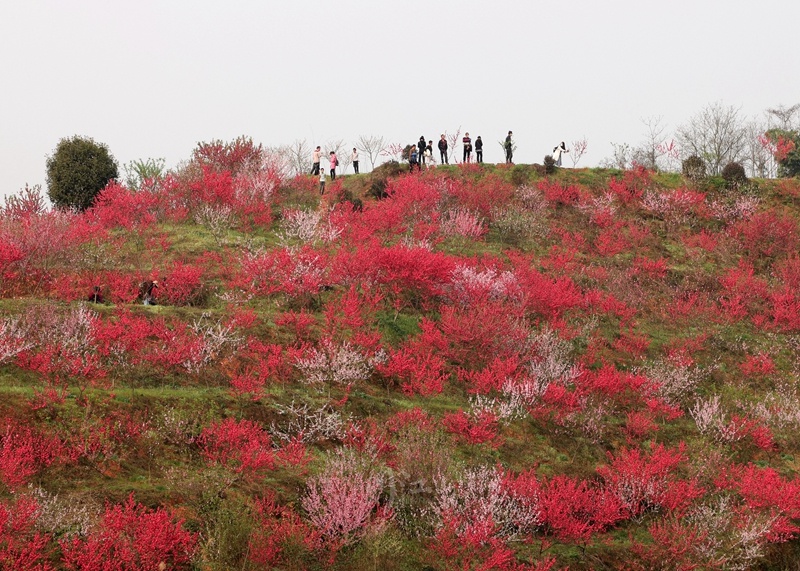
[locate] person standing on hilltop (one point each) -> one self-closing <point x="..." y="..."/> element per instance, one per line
<point x="355" y="160"/>
<point x="421" y="149"/>
<point x="479" y="149"/>
<point x="429" y="153"/>
<point x="334" y="162"/>
<point x="413" y="158"/>
<point x="315" y="161"/>
<point x="509" y="147"/>
<point x="443" y="150"/>
<point x="467" y="142"/>
<point x="558" y="151"/>
<point x="321" y="182"/>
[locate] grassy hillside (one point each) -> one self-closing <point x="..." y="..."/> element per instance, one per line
<point x="472" y="367"/>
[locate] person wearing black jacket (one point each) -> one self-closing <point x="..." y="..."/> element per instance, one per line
<point x="479" y="149"/>
<point x="421" y="149"/>
<point x="443" y="150"/>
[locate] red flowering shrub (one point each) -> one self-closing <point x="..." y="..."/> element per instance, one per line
<point x="279" y="536"/>
<point x="130" y="537"/>
<point x="785" y="309"/>
<point x="620" y="237"/>
<point x="119" y="207"/>
<point x="232" y="156"/>
<point x="295" y="272"/>
<point x="482" y="195"/>
<point x="763" y="489"/>
<point x="767" y="234"/>
<point x="485" y="330"/>
<point x="181" y="285"/>
<point x="557" y="194"/>
<point x="474" y="428"/>
<point x="548" y="297"/>
<point x="243" y="447"/>
<point x="574" y="510"/>
<point x="22" y="548"/>
<point x="492" y="377"/>
<point x="676" y="545"/>
<point x="476" y="546"/>
<point x="757" y="365"/>
<point x="638" y="426"/>
<point x="704" y="240"/>
<point x="415" y="417"/>
<point x="23" y="452"/>
<point x="64" y="347"/>
<point x="404" y="275"/>
<point x="643" y="482"/>
<point x="9" y="254"/>
<point x="416" y="372"/>
<point x="630" y="189"/>
<point x="743" y="292"/>
<point x="655" y="269"/>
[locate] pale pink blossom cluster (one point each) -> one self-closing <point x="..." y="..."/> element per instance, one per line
<point x="671" y="380"/>
<point x="674" y="206"/>
<point x="214" y="336"/>
<point x="463" y="223"/>
<point x="517" y="397"/>
<point x="307" y="269"/>
<point x="532" y="199"/>
<point x="779" y="408"/>
<point x="739" y="539"/>
<point x="258" y="180"/>
<point x="603" y="206"/>
<point x="14" y="338"/>
<point x="711" y="420"/>
<point x="66" y="518"/>
<point x="309" y="226"/>
<point x="301" y="422"/>
<point x="478" y="494"/>
<point x="334" y="363"/>
<point x="341" y="501"/>
<point x="551" y="359"/>
<point x="590" y="419"/>
<point x="742" y="208"/>
<point x="707" y="414"/>
<point x="468" y="284"/>
<point x="72" y="331"/>
<point x="218" y="218"/>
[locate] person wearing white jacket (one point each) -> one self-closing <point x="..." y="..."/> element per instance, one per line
<point x="558" y="151"/>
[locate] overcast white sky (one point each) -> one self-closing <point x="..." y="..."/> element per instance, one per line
<point x="153" y="78"/>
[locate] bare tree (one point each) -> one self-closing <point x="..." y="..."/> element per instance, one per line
<point x="298" y="157"/>
<point x="760" y="159"/>
<point x="372" y="147"/>
<point x="394" y="151"/>
<point x="656" y="151"/>
<point x="717" y="135"/>
<point x="785" y="116"/>
<point x="452" y="141"/>
<point x="279" y="159"/>
<point x="622" y="158"/>
<point x="578" y="150"/>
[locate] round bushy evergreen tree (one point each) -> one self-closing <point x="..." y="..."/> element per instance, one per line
<point x="77" y="171"/>
<point x="734" y="175"/>
<point x="694" y="168"/>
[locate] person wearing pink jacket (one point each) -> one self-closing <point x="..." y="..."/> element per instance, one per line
<point x="334" y="164"/>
